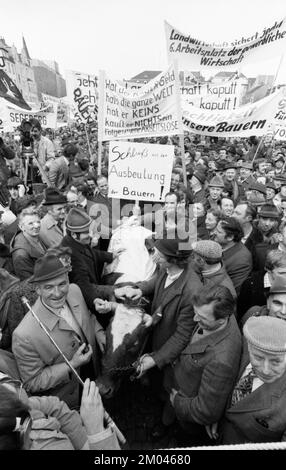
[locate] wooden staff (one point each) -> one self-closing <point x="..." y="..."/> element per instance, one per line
<point x="88" y="143"/>
<point x="107" y="417"/>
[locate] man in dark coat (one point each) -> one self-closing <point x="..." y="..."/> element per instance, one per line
<point x="5" y="153"/>
<point x="205" y="372"/>
<point x="237" y="259"/>
<point x="172" y="291"/>
<point x="256" y="411"/>
<point x="87" y="262"/>
<point x="245" y="213"/>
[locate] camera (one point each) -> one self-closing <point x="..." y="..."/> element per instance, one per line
<point x="26" y="139"/>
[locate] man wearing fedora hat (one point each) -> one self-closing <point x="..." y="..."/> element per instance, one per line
<point x="52" y="223"/>
<point x="256" y="410"/>
<point x="61" y="308"/>
<point x="216" y="186"/>
<point x="230" y="183"/>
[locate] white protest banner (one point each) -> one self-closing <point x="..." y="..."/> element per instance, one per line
<point x="82" y="93"/>
<point x="139" y="171"/>
<point x="280" y="121"/>
<point x="250" y="119"/>
<point x="280" y="132"/>
<point x="194" y="54"/>
<point x="223" y="97"/>
<point x="12" y="116"/>
<point x="62" y="108"/>
<point x="151" y="111"/>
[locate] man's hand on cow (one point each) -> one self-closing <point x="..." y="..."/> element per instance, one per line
<point x="101" y="339"/>
<point x="146" y="362"/>
<point x="103" y="306"/>
<point x="91" y="409"/>
<point x="80" y="358"/>
<point x="117" y="253"/>
<point x="134" y="293"/>
<point x="173" y="395"/>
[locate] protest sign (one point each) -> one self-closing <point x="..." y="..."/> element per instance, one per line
<point x="194" y="54"/>
<point x="250" y="119"/>
<point x="279" y="131"/>
<point x="223" y="97"/>
<point x="12" y="116"/>
<point x="62" y="108"/>
<point x="151" y="111"/>
<point x="139" y="171"/>
<point x="82" y="96"/>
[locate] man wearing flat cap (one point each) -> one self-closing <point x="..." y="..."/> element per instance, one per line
<point x="61" y="308"/>
<point x="207" y="261"/>
<point x="52" y="223"/>
<point x="256" y="411"/>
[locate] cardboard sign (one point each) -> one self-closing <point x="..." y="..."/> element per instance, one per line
<point x="82" y="93"/>
<point x="139" y="171"/>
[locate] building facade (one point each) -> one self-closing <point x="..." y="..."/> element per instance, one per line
<point x="18" y="67"/>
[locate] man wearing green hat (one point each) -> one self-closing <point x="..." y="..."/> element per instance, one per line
<point x="256" y="411"/>
<point x="61" y="308"/>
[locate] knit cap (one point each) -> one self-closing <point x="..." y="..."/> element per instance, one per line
<point x="208" y="249"/>
<point x="269" y="211"/>
<point x="266" y="333"/>
<point x="78" y="220"/>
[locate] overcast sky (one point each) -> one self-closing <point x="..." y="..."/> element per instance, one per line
<point x="125" y="37"/>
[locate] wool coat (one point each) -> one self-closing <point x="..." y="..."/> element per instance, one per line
<point x="172" y="334"/>
<point x="237" y="261"/>
<point x="24" y="256"/>
<point x="87" y="265"/>
<point x="258" y="417"/>
<point x="50" y="232"/>
<point x="41" y="366"/>
<point x="205" y="374"/>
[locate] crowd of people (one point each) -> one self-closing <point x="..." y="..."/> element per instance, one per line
<point x="216" y="250"/>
